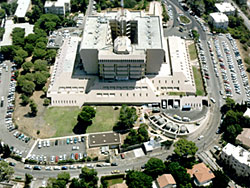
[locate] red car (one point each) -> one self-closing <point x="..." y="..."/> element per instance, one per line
<point x="122" y="156"/>
<point x="76" y="156"/>
<point x="56" y="159"/>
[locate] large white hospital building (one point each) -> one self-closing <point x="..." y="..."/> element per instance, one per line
<point x="125" y="59"/>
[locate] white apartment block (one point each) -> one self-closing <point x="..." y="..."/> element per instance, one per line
<point x="238" y="158"/>
<point x="219" y="20"/>
<point x="60" y="7"/>
<point x="125" y="59"/>
<point x="226" y="8"/>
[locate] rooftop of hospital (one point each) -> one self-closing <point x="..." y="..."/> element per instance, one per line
<point x="97" y="30"/>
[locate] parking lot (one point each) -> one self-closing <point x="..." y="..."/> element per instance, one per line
<point x="230" y="69"/>
<point x="55" y="150"/>
<point x="20" y="143"/>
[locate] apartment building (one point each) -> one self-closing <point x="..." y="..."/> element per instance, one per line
<point x="238" y="158"/>
<point x="226" y="8"/>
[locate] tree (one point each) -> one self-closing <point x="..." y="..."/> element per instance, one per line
<point x="64" y="176"/>
<point x="179" y="173"/>
<point x="88" y="178"/>
<point x="232" y="132"/>
<point x="21" y="53"/>
<point x="136" y="137"/>
<point x="29" y="48"/>
<point x="126" y="119"/>
<point x="25" y="99"/>
<point x="136" y="179"/>
<point x="41" y="45"/>
<point x="40" y="65"/>
<point x="5" y="171"/>
<point x="6" y="151"/>
<point x="28" y="87"/>
<point x="39" y="53"/>
<point x="86" y="115"/>
<point x="154" y="167"/>
<point x="221" y="180"/>
<point x="185" y="148"/>
<point x="31" y="38"/>
<point x="40" y="79"/>
<point x="18" y="60"/>
<point x="46" y="102"/>
<point x="45" y="89"/>
<point x="28" y="179"/>
<point x="27" y="66"/>
<point x="33" y="107"/>
<point x="2" y="13"/>
<point x="51" y="55"/>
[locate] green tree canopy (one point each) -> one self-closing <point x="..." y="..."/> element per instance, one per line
<point x="86" y="115"/>
<point x="154" y="167"/>
<point x="185" y="148"/>
<point x="179" y="173"/>
<point x="2" y="13"/>
<point x="27" y="66"/>
<point x="39" y="53"/>
<point x="40" y="79"/>
<point x="40" y="65"/>
<point x="5" y="171"/>
<point x="88" y="178"/>
<point x="28" y="87"/>
<point x="136" y="179"/>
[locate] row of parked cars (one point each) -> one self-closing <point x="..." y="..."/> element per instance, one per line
<point x="220" y="58"/>
<point x="229" y="60"/>
<point x="203" y="60"/>
<point x="240" y="66"/>
<point x="57" y="158"/>
<point x="213" y="59"/>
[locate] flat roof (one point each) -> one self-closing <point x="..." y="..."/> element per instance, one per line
<point x="219" y="17"/>
<point x="103" y="139"/>
<point x="225" y="7"/>
<point x="57" y="3"/>
<point x="9" y="26"/>
<point x="239" y="153"/>
<point x="22" y="8"/>
<point x="97" y="30"/>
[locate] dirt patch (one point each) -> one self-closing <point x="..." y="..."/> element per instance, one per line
<point x="30" y="125"/>
<point x="96" y="152"/>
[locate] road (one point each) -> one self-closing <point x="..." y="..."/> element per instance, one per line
<point x="246" y="20"/>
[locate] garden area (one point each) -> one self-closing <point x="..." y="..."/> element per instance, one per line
<point x="192" y="52"/>
<point x="184" y="19"/>
<point x="198" y="81"/>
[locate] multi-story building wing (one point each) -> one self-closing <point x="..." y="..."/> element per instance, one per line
<point x="238" y="158"/>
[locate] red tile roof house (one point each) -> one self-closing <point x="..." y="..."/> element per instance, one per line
<point x="202" y="174"/>
<point x="164" y="181"/>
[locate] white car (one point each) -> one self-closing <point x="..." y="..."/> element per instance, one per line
<point x="48" y="143"/>
<point x="48" y="168"/>
<point x="27" y="167"/>
<point x="200" y="137"/>
<point x="57" y="168"/>
<point x="72" y="167"/>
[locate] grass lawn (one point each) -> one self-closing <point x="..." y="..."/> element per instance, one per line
<point x="104" y="120"/>
<point x="177" y="93"/>
<point x="184" y="19"/>
<point x="114" y="181"/>
<point x="198" y="81"/>
<point x="62" y="119"/>
<point x="192" y="51"/>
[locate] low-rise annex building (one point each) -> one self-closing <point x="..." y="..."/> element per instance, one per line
<point x="125" y="59"/>
<point x="21" y="10"/>
<point x="60" y="7"/>
<point x="226" y="8"/>
<point x="238" y="158"/>
<point x="219" y="20"/>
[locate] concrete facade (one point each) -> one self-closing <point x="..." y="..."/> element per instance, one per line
<point x="219" y="20"/>
<point x="60" y="7"/>
<point x="125" y="59"/>
<point x="238" y="158"/>
<point x="22" y="8"/>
